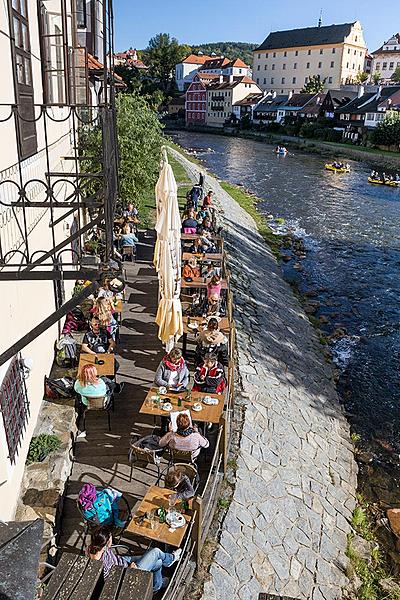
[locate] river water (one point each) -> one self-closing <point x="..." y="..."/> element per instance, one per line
<point x="351" y="231"/>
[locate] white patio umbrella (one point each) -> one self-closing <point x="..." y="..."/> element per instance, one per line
<point x="167" y="257"/>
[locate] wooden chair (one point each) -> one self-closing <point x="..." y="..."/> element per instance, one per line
<point x="144" y="456"/>
<point x="185" y="456"/>
<point x="97" y="403"/>
<point x="128" y="252"/>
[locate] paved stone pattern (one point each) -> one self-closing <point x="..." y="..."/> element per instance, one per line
<point x="286" y="530"/>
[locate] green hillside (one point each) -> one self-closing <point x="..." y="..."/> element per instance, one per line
<point x="232" y="50"/>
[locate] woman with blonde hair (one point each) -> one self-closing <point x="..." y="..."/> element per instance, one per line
<point x="103" y="309"/>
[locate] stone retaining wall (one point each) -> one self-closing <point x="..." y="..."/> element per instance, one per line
<point x="286" y="529"/>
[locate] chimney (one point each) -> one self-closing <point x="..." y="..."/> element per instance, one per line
<point x="379" y="92"/>
<point x="230" y="78"/>
<point x="360" y="91"/>
<point x="274" y="94"/>
<point x="221" y="79"/>
<point x="290" y="94"/>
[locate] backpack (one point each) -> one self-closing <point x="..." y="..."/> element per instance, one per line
<point x="59" y="388"/>
<point x="66" y="351"/>
<point x="74" y="321"/>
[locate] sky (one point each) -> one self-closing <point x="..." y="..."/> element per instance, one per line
<point x="196" y="22"/>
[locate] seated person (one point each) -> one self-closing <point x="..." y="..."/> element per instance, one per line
<point x="172" y="372"/>
<point x="176" y="480"/>
<point x="152" y="560"/>
<point x="97" y="340"/>
<point x="100" y="505"/>
<point x="212" y="306"/>
<point x="131" y="212"/>
<point x="89" y="384"/>
<point x="209" y="270"/>
<point x="190" y="270"/>
<point x="186" y="438"/>
<point x="214" y="286"/>
<point x="189" y="223"/>
<point x="208" y="199"/>
<point x="209" y="377"/>
<point x="104" y="290"/>
<point x="206" y="225"/>
<point x="197" y="247"/>
<point x="127" y="237"/>
<point x="212" y="341"/>
<point x="104" y="310"/>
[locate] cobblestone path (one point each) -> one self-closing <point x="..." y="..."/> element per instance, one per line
<point x="286" y="529"/>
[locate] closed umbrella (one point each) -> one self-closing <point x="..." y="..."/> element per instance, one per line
<point x="167" y="257"/>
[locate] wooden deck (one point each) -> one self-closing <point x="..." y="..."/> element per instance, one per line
<point x="102" y="457"/>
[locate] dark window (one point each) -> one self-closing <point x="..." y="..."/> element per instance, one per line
<point x="21" y="52"/>
<point x="81" y="14"/>
<point x="14" y="406"/>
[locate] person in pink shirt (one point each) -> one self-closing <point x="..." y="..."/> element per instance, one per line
<point x="214" y="286"/>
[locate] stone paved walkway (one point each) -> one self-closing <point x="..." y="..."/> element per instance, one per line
<point x="286" y="529"/>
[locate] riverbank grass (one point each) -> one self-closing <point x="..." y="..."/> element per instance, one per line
<point x="249" y="203"/>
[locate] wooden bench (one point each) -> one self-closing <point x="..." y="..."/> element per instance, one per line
<point x="127" y="584"/>
<point x="76" y="577"/>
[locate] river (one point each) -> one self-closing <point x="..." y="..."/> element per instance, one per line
<point x="351" y="231"/>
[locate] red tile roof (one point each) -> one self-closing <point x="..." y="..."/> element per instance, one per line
<point x="95" y="65"/>
<point x="215" y="63"/>
<point x="238" y="63"/>
<point x="196" y="59"/>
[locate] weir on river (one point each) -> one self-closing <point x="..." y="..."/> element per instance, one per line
<point x="351" y="231"/>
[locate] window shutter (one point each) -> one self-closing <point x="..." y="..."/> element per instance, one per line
<point x="21" y="54"/>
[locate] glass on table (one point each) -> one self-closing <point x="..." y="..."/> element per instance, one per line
<point x="152" y="519"/>
<point x="172" y="501"/>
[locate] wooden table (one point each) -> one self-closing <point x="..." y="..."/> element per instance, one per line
<point x="216" y="257"/>
<point x="155" y="498"/>
<point x="208" y="414"/>
<point x="193" y="236"/>
<point x="121" y="220"/>
<point x="108" y="368"/>
<point x="198" y="282"/>
<point x="224" y="325"/>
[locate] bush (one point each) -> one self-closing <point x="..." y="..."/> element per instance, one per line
<point x="273" y="127"/>
<point x="41" y="446"/>
<point x="308" y="130"/>
<point x="333" y="135"/>
<point x="388" y="131"/>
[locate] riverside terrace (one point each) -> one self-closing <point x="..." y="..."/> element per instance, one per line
<point x="103" y="457"/>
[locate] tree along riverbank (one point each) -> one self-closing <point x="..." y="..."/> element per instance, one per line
<point x="287" y="526"/>
<point x="378" y="159"/>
